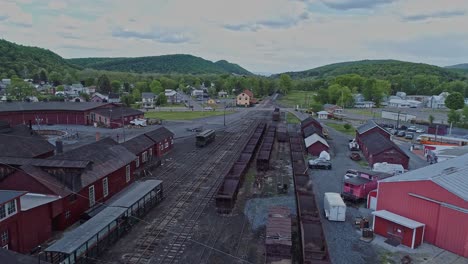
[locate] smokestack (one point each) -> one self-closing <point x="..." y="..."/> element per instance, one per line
<point x="98" y="136"/>
<point x="58" y="146"/>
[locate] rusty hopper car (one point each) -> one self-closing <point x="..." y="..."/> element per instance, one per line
<point x="282" y="133"/>
<point x="227" y="192"/>
<point x="263" y="159"/>
<point x="276" y="114"/>
<point x="278" y="243"/>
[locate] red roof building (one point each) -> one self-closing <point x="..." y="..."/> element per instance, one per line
<point x="369" y="128"/>
<point x="429" y="204"/>
<point x="377" y="148"/>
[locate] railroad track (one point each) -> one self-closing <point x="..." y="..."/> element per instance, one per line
<point x="159" y="229"/>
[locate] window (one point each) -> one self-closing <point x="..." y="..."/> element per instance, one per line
<point x="151" y="152"/>
<point x="172" y="141"/>
<point x="105" y="187"/>
<point x="2" y="211"/>
<point x="144" y="157"/>
<point x="127" y="173"/>
<point x="92" y="198"/>
<point x="4" y="237"/>
<point x="11" y="207"/>
<point x="67" y="214"/>
<point x="161" y="146"/>
<point x="166" y="145"/>
<point x="137" y="161"/>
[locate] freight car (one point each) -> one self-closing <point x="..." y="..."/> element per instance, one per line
<point x="233" y="179"/>
<point x="263" y="159"/>
<point x="205" y="138"/>
<point x="278" y="242"/>
<point x="282" y="133"/>
<point x="276" y="114"/>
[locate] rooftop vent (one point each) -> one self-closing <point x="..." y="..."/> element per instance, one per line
<point x="449" y="170"/>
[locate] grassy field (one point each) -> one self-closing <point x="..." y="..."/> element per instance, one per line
<point x="294" y="98"/>
<point x="292" y="119"/>
<point x="340" y="128"/>
<point x="183" y="115"/>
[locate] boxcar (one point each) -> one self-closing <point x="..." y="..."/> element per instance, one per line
<point x="205" y="138"/>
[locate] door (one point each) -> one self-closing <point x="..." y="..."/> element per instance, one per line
<point x="341" y="211"/>
<point x="373" y="203"/>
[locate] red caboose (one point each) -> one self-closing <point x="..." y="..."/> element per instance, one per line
<point x="358" y="184"/>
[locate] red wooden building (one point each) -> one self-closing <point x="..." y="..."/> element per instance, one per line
<point x="115" y="117"/>
<point x="435" y="196"/>
<point x="143" y="148"/>
<point x="310" y="121"/>
<point x="163" y="140"/>
<point x="377" y="148"/>
<point x="25" y="219"/>
<point x="369" y="128"/>
<point x="316" y="144"/>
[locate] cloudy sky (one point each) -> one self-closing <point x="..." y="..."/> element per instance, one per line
<point x="260" y="35"/>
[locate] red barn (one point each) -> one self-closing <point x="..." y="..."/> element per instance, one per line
<point x="435" y="196"/>
<point x="310" y="121"/>
<point x="163" y="140"/>
<point x="316" y="144"/>
<point x="369" y="128"/>
<point x="377" y="148"/>
<point x="142" y="147"/>
<point x="115" y="117"/>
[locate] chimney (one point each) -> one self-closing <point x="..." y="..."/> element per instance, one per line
<point x="98" y="136"/>
<point x="58" y="146"/>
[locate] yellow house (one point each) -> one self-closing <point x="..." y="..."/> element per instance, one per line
<point x="211" y="102"/>
<point x="245" y="98"/>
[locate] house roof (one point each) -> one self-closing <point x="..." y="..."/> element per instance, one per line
<point x="376" y="143"/>
<point x="76" y="164"/>
<point x="310" y="120"/>
<point x="368" y="126"/>
<point x="322" y="113"/>
<point x="159" y="134"/>
<point x="113" y="96"/>
<point x="451" y="175"/>
<point x="7" y="195"/>
<point x="40" y="106"/>
<point x="310" y="130"/>
<point x="310" y="140"/>
<point x="398" y="219"/>
<point x="107" y="156"/>
<point x="249" y="93"/>
<point x="117" y="112"/>
<point x="147" y="95"/>
<point x="11" y="257"/>
<point x="138" y="144"/>
<point x="30" y="146"/>
<point x="47" y="180"/>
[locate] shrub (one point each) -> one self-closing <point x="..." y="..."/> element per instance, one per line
<point x="347" y="126"/>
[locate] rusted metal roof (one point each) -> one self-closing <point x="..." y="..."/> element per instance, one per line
<point x="138" y="144"/>
<point x="76" y="164"/>
<point x="12" y="145"/>
<point x="159" y="134"/>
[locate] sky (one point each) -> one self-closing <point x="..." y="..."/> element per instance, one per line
<point x="268" y="36"/>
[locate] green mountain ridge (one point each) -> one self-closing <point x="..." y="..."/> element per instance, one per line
<point x="24" y="61"/>
<point x="462" y="66"/>
<point x="177" y="63"/>
<point x="381" y="69"/>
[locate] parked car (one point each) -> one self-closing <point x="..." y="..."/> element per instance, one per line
<point x="355" y="156"/>
<point x="420" y="130"/>
<point x="400" y="133"/>
<point x="403" y="127"/>
<point x="412" y="129"/>
<point x="409" y="136"/>
<point x="208" y="108"/>
<point x="320" y="164"/>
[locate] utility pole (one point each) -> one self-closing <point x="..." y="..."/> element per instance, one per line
<point x="398" y="121"/>
<point x="123" y="124"/>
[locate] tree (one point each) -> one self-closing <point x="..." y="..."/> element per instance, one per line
<point x="128" y="100"/>
<point x="126" y="86"/>
<point x="465" y="114"/>
<point x="85" y="96"/>
<point x="104" y="85"/>
<point x="60" y="88"/>
<point x="285" y="83"/>
<point x="68" y="79"/>
<point x="19" y="89"/>
<point x="89" y="81"/>
<point x="161" y="100"/>
<point x="431" y="119"/>
<point x="454" y="117"/>
<point x="455" y="101"/>
<point x="347" y="126"/>
<point x="116" y="86"/>
<point x="136" y="94"/>
<point x="168" y="83"/>
<point x="142" y="87"/>
<point x="156" y="87"/>
<point x="43" y="76"/>
<point x="55" y="78"/>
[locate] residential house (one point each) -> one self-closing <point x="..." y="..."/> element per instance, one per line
<point x="197" y="92"/>
<point x="172" y="96"/>
<point x="358" y="98"/>
<point x="333" y="109"/>
<point x="322" y="115"/>
<point x="466" y="101"/>
<point x="316" y="144"/>
<point x="437" y="101"/>
<point x="32" y="99"/>
<point x="78" y="99"/>
<point x="163" y="140"/>
<point x="398" y="103"/>
<point x="402" y="95"/>
<point x="364" y="104"/>
<point x="148" y="100"/>
<point x="113" y="98"/>
<point x="246" y="98"/>
<point x="222" y="94"/>
<point x="99" y="98"/>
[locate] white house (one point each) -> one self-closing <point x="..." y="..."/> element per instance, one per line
<point x="358" y="98"/>
<point x="148" y="100"/>
<point x="364" y="104"/>
<point x="402" y="95"/>
<point x="398" y="103"/>
<point x="437" y="101"/>
<point x="322" y="115"/>
<point x="222" y="94"/>
<point x="197" y="92"/>
<point x="172" y="96"/>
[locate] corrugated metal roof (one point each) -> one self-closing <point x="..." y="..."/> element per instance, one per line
<point x="23" y="146"/>
<point x="368" y="126"/>
<point x="159" y="134"/>
<point x="138" y="144"/>
<point x="376" y="143"/>
<point x="74" y="239"/>
<point x="45" y="162"/>
<point x="117" y="112"/>
<point x="451" y="175"/>
<point x="313" y="139"/>
<point x="7" y="195"/>
<point x="40" y="106"/>
<point x="398" y="219"/>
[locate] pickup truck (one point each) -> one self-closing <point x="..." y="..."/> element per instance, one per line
<point x="138" y="122"/>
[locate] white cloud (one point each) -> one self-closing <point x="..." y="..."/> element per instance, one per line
<point x="261" y="35"/>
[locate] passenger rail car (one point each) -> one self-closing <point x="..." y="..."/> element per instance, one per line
<point x="205" y="138"/>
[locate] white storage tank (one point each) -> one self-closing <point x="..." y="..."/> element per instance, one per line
<point x="335" y="208"/>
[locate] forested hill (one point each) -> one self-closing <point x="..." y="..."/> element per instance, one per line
<point x="380" y="69"/>
<point x="24" y="61"/>
<point x="463" y="66"/>
<point x="178" y="63"/>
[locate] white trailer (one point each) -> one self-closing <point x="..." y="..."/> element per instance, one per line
<point x="138" y="122"/>
<point x="389" y="168"/>
<point x="335" y="208"/>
